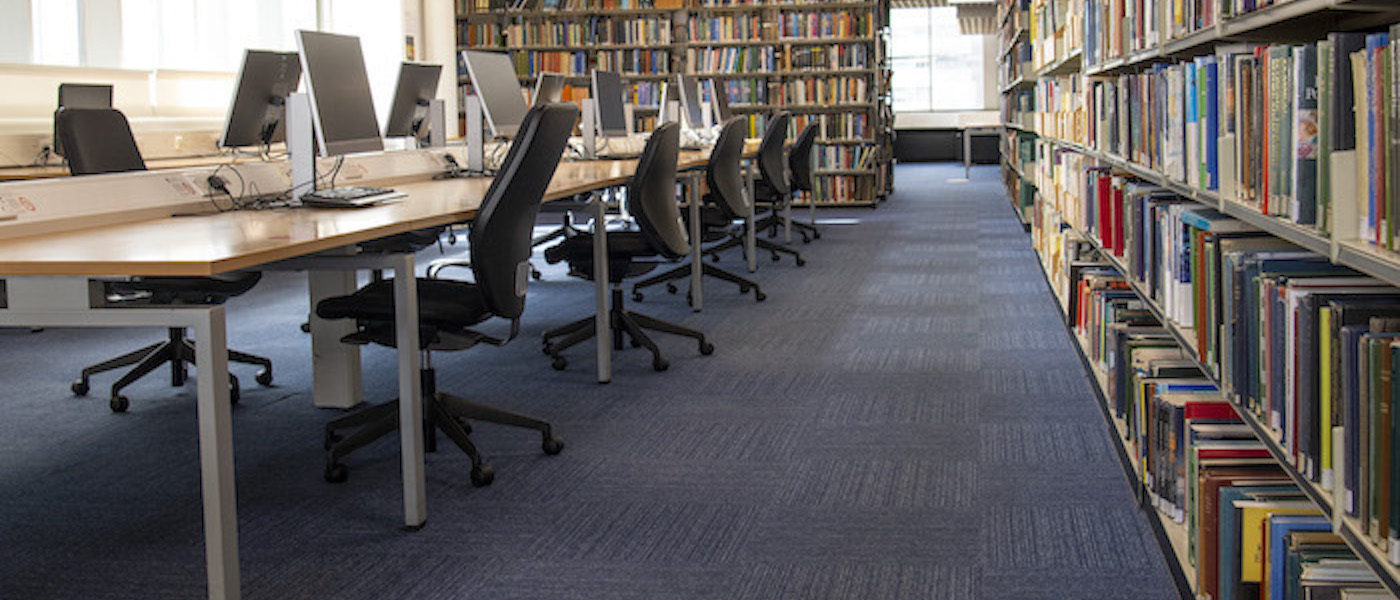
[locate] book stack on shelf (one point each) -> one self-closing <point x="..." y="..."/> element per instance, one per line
<point x="1214" y="193"/>
<point x="824" y="62"/>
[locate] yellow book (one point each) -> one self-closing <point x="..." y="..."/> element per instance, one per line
<point x="1253" y="541"/>
<point x="1324" y="377"/>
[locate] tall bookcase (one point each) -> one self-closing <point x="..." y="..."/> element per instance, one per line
<point x="1136" y="91"/>
<point x="824" y="62"/>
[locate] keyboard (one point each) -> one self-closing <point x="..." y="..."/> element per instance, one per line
<point x="621" y="147"/>
<point x="351" y="196"/>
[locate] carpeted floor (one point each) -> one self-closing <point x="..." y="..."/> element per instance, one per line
<point x="904" y="417"/>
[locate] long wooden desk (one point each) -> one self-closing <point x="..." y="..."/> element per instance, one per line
<point x="48" y="282"/>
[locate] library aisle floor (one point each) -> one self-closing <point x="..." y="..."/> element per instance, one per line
<point x="903" y="418"/>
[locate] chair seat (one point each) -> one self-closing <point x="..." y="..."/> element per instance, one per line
<point x="443" y="304"/>
<point x="215" y="289"/>
<point x="624" y="247"/>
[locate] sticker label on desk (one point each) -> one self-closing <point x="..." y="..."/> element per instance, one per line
<point x="12" y="206"/>
<point x="183" y="186"/>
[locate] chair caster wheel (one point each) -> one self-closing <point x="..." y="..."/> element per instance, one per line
<point x="801" y="262"/>
<point x="744" y="289"/>
<point x="482" y="476"/>
<point x="235" y="393"/>
<point x="671" y="288"/>
<point x="264" y="377"/>
<point x="79" y="387"/>
<point x="536" y="275"/>
<point x="775" y="257"/>
<point x="816" y="235"/>
<point x="553" y="445"/>
<point x="306" y="327"/>
<point x="760" y="296"/>
<point x="660" y="364"/>
<point x="336" y="473"/>
<point x="714" y="258"/>
<point x="559" y="364"/>
<point x="119" y="403"/>
<point x="637" y="297"/>
<point x="707" y="348"/>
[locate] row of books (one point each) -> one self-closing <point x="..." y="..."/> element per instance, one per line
<point x="808" y="25"/>
<point x="1250" y="531"/>
<point x="642" y="93"/>
<point x="840" y="189"/>
<point x="824" y="90"/>
<point x="480" y="34"/>
<point x="1018" y="107"/>
<point x="590" y="30"/>
<point x="833" y="56"/>
<point x="1262" y="125"/>
<point x="534" y="62"/>
<point x="726" y="28"/>
<point x="1015" y="22"/>
<point x="746" y="91"/>
<point x="1117" y="29"/>
<point x="846" y="126"/>
<point x="1060" y="105"/>
<point x="845" y="157"/>
<point x="1057" y="30"/>
<point x="635" y="61"/>
<point x="481" y="6"/>
<point x="732" y="59"/>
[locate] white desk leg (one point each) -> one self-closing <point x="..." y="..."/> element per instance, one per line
<point x="415" y="504"/>
<point x="697" y="266"/>
<point x="216" y="455"/>
<point x="603" y="323"/>
<point x="335" y="365"/>
<point x="750" y="234"/>
<point x="967" y="154"/>
<point x="787" y="222"/>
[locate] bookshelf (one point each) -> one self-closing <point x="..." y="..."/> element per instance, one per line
<point x="1154" y="93"/>
<point x="824" y="62"/>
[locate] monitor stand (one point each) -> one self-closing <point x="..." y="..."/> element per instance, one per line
<point x="301" y="144"/>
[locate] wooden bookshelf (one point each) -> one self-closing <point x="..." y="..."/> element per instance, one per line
<point x="798" y="42"/>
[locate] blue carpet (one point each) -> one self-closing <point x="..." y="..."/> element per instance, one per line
<point x="904" y="417"/>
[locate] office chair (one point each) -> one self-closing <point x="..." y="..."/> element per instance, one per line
<point x="651" y="195"/>
<point x="800" y="180"/>
<point x="499" y="243"/>
<point x="724" y="204"/>
<point x="100" y="141"/>
<point x="772" y="188"/>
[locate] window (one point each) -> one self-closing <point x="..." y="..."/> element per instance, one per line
<point x="935" y="66"/>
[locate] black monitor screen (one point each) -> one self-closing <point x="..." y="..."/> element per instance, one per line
<point x="690" y="101"/>
<point x="607" y="96"/>
<point x="494" y="81"/>
<point x="341" y="104"/>
<point x="84" y="95"/>
<point x="260" y="98"/>
<point x="417" y="87"/>
<point x="549" y="88"/>
<point x="721" y="99"/>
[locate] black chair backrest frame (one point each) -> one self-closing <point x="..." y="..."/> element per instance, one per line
<point x="501" y="234"/>
<point x="723" y="173"/>
<point x="771" y="166"/>
<point x="651" y="194"/>
<point x="97" y="140"/>
<point x="800" y="158"/>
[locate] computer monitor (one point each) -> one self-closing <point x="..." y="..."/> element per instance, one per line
<point x="81" y="95"/>
<point x="495" y="83"/>
<point x="549" y="87"/>
<point x="260" y="99"/>
<point x="342" y="108"/>
<point x="691" y="107"/>
<point x="719" y="95"/>
<point x="417" y="87"/>
<point x="607" y="97"/>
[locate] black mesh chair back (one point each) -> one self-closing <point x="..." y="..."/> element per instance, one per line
<point x="97" y="140"/>
<point x="501" y="234"/>
<point x="651" y="195"/>
<point x="770" y="155"/>
<point x="800" y="158"/>
<point x="723" y="173"/>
